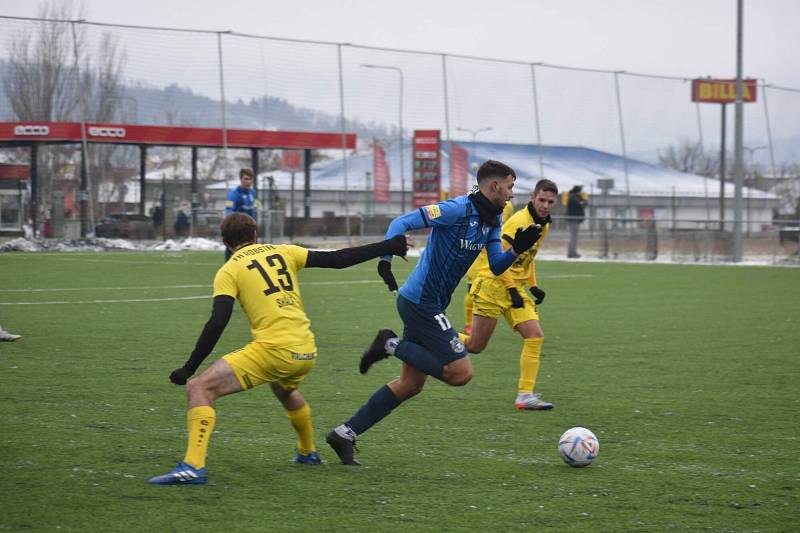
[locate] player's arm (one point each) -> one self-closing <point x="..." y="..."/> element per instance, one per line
<point x="220" y="315"/>
<point x="424" y="217"/>
<point x="397" y="245"/>
<point x="523" y="240"/>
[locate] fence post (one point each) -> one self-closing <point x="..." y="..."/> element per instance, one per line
<point x="344" y="146"/>
<point x="536" y="116"/>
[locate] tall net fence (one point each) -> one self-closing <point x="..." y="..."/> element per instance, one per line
<point x="75" y="71"/>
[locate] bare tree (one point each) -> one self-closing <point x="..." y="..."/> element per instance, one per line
<point x="690" y="157"/>
<point x="41" y="83"/>
<point x="54" y="76"/>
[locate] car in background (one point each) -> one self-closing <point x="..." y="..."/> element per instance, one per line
<point x="125" y="226"/>
<point x="208" y="221"/>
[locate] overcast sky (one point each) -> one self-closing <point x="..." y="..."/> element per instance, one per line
<point x="672" y="37"/>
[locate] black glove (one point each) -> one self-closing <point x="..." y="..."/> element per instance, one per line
<point x="538" y="294"/>
<point x="516" y="299"/>
<point x="385" y="272"/>
<point x="524" y="239"/>
<point x="398" y="245"/>
<point x="180" y="375"/>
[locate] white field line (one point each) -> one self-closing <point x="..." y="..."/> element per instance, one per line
<point x="130" y="287"/>
<point x="179" y="298"/>
<point x="203" y="286"/>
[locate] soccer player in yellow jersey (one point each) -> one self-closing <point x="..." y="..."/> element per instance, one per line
<point x="505" y="295"/>
<point x="473" y="271"/>
<point x="263" y="277"/>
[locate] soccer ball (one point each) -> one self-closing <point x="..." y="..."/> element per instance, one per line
<point x="578" y="447"/>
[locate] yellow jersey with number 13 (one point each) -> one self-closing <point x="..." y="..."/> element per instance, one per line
<point x="263" y="277"/>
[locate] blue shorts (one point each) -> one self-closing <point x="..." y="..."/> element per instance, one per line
<point x="429" y="327"/>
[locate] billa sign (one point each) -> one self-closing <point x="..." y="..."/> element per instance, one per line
<point x="707" y="90"/>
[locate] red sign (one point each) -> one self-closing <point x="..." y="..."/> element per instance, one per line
<point x="380" y="173"/>
<point x="427" y="176"/>
<point x="170" y="135"/>
<point x="458" y="170"/>
<point x="707" y="90"/>
<point x="14" y="172"/>
<point x="292" y="161"/>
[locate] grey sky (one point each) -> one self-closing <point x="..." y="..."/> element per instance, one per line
<point x="673" y="37"/>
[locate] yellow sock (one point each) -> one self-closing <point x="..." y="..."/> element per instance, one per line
<point x="201" y="423"/>
<point x="529" y="364"/>
<point x="301" y="422"/>
<point x="467" y="309"/>
<point x="464" y="337"/>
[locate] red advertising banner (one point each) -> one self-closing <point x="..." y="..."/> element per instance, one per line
<point x="292" y="161"/>
<point x="459" y="175"/>
<point x="427" y="180"/>
<point x="34" y="131"/>
<point x="707" y="90"/>
<point x="380" y="173"/>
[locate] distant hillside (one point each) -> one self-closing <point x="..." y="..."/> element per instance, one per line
<point x="180" y="106"/>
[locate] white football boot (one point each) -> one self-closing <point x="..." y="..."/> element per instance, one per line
<point x="530" y="401"/>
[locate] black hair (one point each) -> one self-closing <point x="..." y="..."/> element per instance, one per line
<point x="492" y="169"/>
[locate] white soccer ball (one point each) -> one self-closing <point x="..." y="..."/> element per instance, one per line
<point x="578" y="447"/>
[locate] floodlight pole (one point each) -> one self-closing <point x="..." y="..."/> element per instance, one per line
<point x="222" y="98"/>
<point x="738" y="174"/>
<point x="629" y="208"/>
<point x="536" y="116"/>
<point x="84" y="183"/>
<point x="344" y="146"/>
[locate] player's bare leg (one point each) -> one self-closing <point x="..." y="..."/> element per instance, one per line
<point x="218" y="380"/>
<point x="409" y="384"/>
<point x="482" y="329"/>
<point x="459" y="372"/>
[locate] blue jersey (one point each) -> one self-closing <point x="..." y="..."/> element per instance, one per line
<point x="241" y="200"/>
<point x="457" y="236"/>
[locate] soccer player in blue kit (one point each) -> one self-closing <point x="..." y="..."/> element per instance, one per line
<point x="460" y="229"/>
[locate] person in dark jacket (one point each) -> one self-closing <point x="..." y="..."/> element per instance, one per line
<point x="576" y="214"/>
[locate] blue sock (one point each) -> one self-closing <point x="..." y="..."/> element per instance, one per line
<point x="380" y="404"/>
<point x="420" y="358"/>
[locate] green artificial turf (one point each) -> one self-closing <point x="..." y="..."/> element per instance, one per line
<point x="687" y="374"/>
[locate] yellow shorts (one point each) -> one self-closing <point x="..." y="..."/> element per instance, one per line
<point x="256" y="364"/>
<point x="490" y="299"/>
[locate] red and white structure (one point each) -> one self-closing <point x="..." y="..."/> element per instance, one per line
<point x="34" y="133"/>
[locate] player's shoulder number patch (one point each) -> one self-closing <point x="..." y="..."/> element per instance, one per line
<point x="433" y="210"/>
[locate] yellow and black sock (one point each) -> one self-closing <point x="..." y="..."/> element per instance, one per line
<point x="201" y="423"/>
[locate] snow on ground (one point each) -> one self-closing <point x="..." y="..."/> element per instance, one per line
<point x="101" y="245"/>
<point x="200" y="244"/>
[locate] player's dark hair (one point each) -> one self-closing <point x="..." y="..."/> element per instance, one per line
<point x="545" y="185"/>
<point x="238" y="229"/>
<point x="247" y="172"/>
<point x="492" y="169"/>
